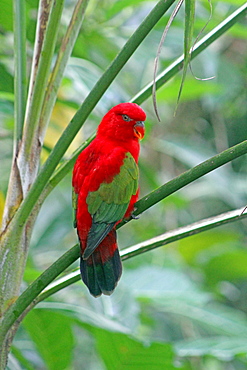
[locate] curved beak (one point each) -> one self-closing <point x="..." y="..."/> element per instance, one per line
<point x="139" y="129"/>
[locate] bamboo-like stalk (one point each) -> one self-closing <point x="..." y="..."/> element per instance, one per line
<point x="64" y="53"/>
<point x="190" y="176"/>
<point x="14" y="194"/>
<point x="28" y="158"/>
<point x="188" y="39"/>
<point x="20" y="70"/>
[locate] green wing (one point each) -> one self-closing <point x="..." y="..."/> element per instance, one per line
<point x="109" y="203"/>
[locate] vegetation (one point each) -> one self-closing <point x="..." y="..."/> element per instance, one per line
<point x="181" y="302"/>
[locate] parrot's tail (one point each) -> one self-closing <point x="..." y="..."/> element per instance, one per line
<point x="103" y="268"/>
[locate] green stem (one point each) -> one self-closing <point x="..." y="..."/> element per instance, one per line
<point x="89" y="103"/>
<point x="183" y="232"/>
<point x="20" y="69"/>
<point x="64" y="53"/>
<point x="188" y="39"/>
<point x="191" y="175"/>
<point x="44" y="58"/>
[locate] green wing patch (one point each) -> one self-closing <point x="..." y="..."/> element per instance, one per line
<point x="108" y="204"/>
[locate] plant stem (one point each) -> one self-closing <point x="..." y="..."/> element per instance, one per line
<point x="64" y="53"/>
<point x="29" y="154"/>
<point x="20" y="69"/>
<point x="183" y="232"/>
<point x="14" y="194"/>
<point x="189" y="176"/>
<point x="39" y="81"/>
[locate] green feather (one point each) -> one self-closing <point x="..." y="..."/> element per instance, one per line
<point x="108" y="204"/>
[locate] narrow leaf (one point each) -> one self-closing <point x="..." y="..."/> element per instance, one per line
<point x="55" y="346"/>
<point x="188" y="37"/>
<point x="156" y="61"/>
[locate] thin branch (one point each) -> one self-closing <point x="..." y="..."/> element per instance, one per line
<point x="189" y="176"/>
<point x="188" y="37"/>
<point x="183" y="232"/>
<point x="156" y="60"/>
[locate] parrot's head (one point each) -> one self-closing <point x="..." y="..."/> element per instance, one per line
<point x="123" y="122"/>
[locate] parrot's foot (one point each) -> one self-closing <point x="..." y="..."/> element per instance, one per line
<point x="134" y="217"/>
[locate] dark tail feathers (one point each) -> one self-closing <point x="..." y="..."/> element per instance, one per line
<point x="100" y="275"/>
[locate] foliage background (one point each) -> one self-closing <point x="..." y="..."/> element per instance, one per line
<point x="183" y="305"/>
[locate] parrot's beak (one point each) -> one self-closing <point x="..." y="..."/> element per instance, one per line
<point x="139" y="129"/>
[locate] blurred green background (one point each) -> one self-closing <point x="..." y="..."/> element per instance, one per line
<point x="180" y="306"/>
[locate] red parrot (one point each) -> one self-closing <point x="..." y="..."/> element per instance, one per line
<point x="105" y="189"/>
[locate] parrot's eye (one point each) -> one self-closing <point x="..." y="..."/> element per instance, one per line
<point x="126" y="118"/>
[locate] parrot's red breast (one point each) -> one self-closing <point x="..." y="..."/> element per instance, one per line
<point x="105" y="182"/>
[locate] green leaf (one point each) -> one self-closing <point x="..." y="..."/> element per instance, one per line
<point x="86" y="317"/>
<point x="225" y="348"/>
<point x="18" y="355"/>
<point x="121" y="352"/>
<point x="6" y="15"/>
<point x="53" y="337"/>
<point x="231" y="265"/>
<point x="195" y="89"/>
<point x="153" y="281"/>
<point x="188" y="36"/>
<point x="199" y="247"/>
<point x="119" y="6"/>
<point x="214" y="318"/>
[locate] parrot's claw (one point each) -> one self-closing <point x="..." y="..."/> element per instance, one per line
<point x="134" y="217"/>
